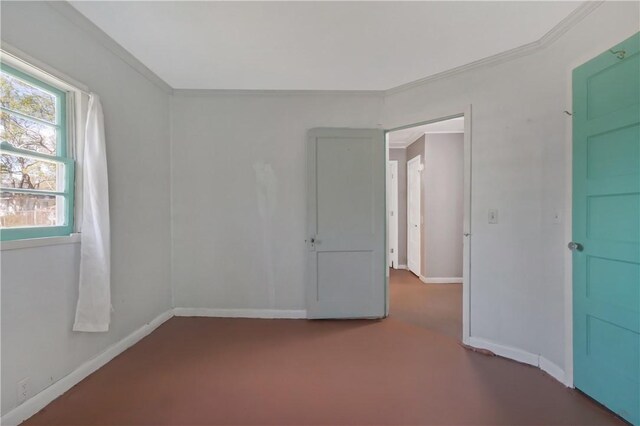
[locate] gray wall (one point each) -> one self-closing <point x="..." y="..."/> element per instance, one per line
<point x="223" y="246"/>
<point x="443" y="205"/>
<point x="400" y="155"/>
<point x="521" y="145"/>
<point x="40" y="285"/>
<point x="239" y="244"/>
<point x="441" y="201"/>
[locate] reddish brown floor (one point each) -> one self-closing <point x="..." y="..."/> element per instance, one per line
<point x="437" y="307"/>
<point x="399" y="371"/>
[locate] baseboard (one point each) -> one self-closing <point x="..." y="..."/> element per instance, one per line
<point x="521" y="356"/>
<point x="241" y="313"/>
<point x="505" y="351"/>
<point x="553" y="370"/>
<point x="402" y="267"/>
<point x="441" y="280"/>
<point x="42" y="399"/>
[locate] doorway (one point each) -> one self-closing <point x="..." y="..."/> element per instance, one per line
<point x="433" y="216"/>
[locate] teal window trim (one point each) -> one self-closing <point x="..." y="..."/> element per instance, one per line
<point x="61" y="157"/>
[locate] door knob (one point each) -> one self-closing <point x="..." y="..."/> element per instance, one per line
<point x="573" y="246"/>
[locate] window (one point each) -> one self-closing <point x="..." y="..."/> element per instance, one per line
<point x="37" y="173"/>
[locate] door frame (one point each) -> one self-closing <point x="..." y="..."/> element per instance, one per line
<point x="464" y="111"/>
<point x="568" y="226"/>
<point x="418" y="159"/>
<point x="392" y="201"/>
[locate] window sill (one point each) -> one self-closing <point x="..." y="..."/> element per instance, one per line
<point x="39" y="242"/>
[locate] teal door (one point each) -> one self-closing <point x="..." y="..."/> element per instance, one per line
<point x="606" y="228"/>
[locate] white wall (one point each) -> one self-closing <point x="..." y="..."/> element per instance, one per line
<point x="39" y="285"/>
<point x="443" y="212"/>
<point x="519" y="149"/>
<point x="239" y="203"/>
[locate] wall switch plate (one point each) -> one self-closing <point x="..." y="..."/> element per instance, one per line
<point x="493" y="216"/>
<point x="23" y="390"/>
<point x="557" y="216"/>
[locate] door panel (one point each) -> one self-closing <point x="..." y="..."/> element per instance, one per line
<point x="337" y="200"/>
<point x="346" y="223"/>
<point x="414" y="224"/>
<point x="606" y="221"/>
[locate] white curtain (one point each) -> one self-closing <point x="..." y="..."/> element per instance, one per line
<point x="93" y="312"/>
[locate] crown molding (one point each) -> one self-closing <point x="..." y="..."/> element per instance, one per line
<point x="67" y="10"/>
<point x="551" y="36"/>
<point x="271" y="92"/>
<point x="72" y="14"/>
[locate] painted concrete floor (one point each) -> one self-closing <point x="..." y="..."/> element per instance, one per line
<point x="408" y="369"/>
<point x="437" y="307"/>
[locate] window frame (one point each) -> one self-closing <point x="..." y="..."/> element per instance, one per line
<point x="61" y="157"/>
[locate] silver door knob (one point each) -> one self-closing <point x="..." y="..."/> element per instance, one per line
<point x="573" y="246"/>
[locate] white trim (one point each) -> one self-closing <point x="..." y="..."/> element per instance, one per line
<point x="505" y="351"/>
<point x="402" y="267"/>
<point x="522" y="356"/>
<point x="554" y="34"/>
<point x="241" y="313"/>
<point x="441" y="280"/>
<point x="69" y="12"/>
<point x="568" y="223"/>
<point x="454" y="132"/>
<point x="42" y="399"/>
<point x="392" y="202"/>
<point x="553" y="370"/>
<point x="39" y="242"/>
<point x="466" y="226"/>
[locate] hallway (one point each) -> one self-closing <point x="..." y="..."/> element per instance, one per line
<point x="436" y="307"/>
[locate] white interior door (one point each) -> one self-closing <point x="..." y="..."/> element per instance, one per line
<point x="392" y="213"/>
<point x="413" y="215"/>
<point x="346" y="223"/>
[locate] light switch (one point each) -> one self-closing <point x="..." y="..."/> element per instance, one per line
<point x="557" y="216"/>
<point x="493" y="216"/>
